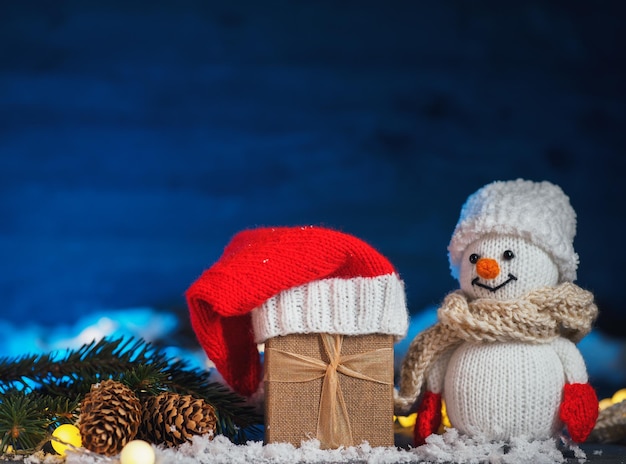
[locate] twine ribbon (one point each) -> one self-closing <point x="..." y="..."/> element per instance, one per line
<point x="333" y="422"/>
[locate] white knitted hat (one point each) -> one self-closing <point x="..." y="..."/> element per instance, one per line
<point x="536" y="211"/>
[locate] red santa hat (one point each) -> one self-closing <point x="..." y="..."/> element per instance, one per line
<point x="279" y="281"/>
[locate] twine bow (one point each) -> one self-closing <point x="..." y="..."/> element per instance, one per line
<point x="333" y="423"/>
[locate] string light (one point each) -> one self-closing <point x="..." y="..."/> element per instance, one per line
<point x="64" y="437"/>
<point x="137" y="452"/>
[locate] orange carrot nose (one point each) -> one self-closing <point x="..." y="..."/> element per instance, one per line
<point x="487" y="268"/>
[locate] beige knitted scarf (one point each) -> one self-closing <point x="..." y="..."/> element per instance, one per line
<point x="540" y="316"/>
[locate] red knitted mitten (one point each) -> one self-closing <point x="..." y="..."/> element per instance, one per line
<point x="428" y="417"/>
<point x="579" y="410"/>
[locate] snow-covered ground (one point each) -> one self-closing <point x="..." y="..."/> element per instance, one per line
<point x="449" y="447"/>
<point x="137" y="138"/>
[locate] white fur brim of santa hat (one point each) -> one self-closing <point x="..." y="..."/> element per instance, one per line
<point x="536" y="211"/>
<point x="287" y="280"/>
<point x="355" y="306"/>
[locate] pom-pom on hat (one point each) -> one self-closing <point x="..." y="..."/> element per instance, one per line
<point x="536" y="211"/>
<point x="279" y="281"/>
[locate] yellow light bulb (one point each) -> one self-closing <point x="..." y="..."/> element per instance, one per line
<point x="445" y="420"/>
<point x="65" y="437"/>
<point x="137" y="452"/>
<point x="619" y="396"/>
<point x="605" y="403"/>
<point x="407" y="421"/>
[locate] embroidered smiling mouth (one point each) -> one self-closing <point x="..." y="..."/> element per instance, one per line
<point x="493" y="289"/>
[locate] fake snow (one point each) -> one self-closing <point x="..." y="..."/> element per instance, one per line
<point x="447" y="448"/>
<point x="455" y="448"/>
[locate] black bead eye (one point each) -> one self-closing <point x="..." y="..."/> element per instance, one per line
<point x="474" y="258"/>
<point x="508" y="255"/>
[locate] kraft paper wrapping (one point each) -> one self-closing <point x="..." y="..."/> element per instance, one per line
<point x="338" y="389"/>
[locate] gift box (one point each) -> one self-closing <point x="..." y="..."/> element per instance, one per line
<point x="335" y="388"/>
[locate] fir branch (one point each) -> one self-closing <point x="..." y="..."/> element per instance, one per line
<point x="146" y="379"/>
<point x="89" y="360"/>
<point x="60" y="410"/>
<point x="22" y="424"/>
<point x="106" y="358"/>
<point x="16" y="371"/>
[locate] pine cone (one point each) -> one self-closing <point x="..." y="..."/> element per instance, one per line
<point x="110" y="415"/>
<point x="172" y="419"/>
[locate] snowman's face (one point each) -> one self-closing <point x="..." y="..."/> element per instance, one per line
<point x="504" y="267"/>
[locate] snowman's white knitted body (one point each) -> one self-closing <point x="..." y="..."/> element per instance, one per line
<point x="521" y="400"/>
<point x="508" y="389"/>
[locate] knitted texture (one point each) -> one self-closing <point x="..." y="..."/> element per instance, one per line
<point x="537" y="211"/>
<point x="428" y="417"/>
<point x="299" y="280"/>
<point x="515" y="267"/>
<point x="361" y="305"/>
<point x="541" y="316"/>
<point x="504" y="390"/>
<point x="579" y="410"/>
<point x="571" y="360"/>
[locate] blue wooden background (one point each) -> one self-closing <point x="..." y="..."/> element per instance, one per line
<point x="137" y="137"/>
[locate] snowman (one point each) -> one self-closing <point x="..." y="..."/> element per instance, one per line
<point x="502" y="354"/>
